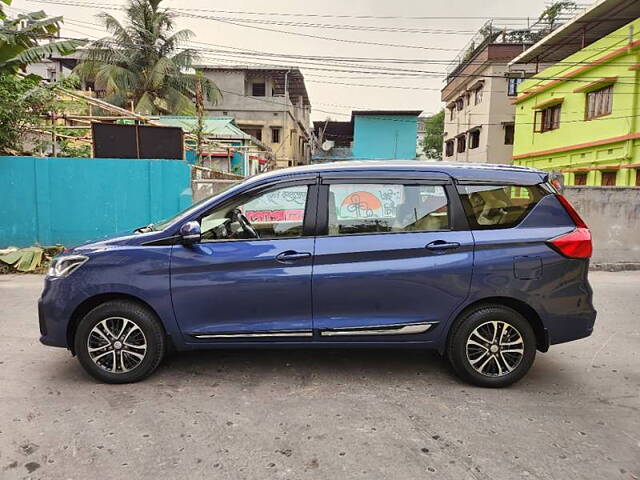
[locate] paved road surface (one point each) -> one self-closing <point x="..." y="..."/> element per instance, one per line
<point x="323" y="414"/>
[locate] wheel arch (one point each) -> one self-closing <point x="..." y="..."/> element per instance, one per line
<point x="524" y="309"/>
<point x="92" y="302"/>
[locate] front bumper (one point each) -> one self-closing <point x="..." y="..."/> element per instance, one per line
<point x="53" y="314"/>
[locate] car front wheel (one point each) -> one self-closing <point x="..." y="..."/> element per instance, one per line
<point x="119" y="342"/>
<point x="492" y="346"/>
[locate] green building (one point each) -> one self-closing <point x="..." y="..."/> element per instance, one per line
<point x="581" y="115"/>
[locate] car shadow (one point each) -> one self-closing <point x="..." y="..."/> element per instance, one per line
<point x="280" y="364"/>
<point x="248" y="367"/>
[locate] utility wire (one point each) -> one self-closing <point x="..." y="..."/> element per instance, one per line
<point x="239" y="23"/>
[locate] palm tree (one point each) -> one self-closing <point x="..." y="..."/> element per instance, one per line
<point x="142" y="62"/>
<point x="20" y="39"/>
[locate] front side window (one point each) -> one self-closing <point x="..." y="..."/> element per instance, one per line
<point x="268" y="215"/>
<point x="386" y="208"/>
<point x="498" y="206"/>
<point x="599" y="103"/>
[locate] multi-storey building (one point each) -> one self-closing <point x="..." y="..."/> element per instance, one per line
<point x="270" y="104"/>
<point x="581" y="116"/>
<point x="479" y="114"/>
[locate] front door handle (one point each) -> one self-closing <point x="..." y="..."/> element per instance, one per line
<point x="441" y="245"/>
<point x="291" y="256"/>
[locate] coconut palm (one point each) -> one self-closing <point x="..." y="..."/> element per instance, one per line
<point x="20" y="39"/>
<point x="143" y="62"/>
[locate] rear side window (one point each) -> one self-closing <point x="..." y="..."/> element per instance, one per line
<point x="498" y="206"/>
<point x="360" y="208"/>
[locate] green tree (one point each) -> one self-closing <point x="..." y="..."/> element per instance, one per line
<point x="19" y="107"/>
<point x="20" y="39"/>
<point x="434" y="132"/>
<point x="553" y="11"/>
<point x="143" y="62"/>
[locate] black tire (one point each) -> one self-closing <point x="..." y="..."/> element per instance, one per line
<point x="496" y="373"/>
<point x="153" y="337"/>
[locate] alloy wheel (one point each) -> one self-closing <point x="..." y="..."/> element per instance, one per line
<point x="495" y="348"/>
<point x="117" y="345"/>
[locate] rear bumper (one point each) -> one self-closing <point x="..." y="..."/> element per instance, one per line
<point x="572" y="327"/>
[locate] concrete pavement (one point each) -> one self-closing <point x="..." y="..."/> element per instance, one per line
<point x="323" y="414"/>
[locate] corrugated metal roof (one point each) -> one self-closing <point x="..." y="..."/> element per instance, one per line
<point x="598" y="21"/>
<point x="216" y="127"/>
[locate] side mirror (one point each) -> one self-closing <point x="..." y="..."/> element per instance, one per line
<point x="190" y="232"/>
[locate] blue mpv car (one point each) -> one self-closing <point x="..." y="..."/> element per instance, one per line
<point x="485" y="264"/>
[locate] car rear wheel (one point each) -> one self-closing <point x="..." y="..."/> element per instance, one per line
<point x="492" y="346"/>
<point x="119" y="342"/>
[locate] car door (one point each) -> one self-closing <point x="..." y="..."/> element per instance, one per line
<point x="395" y="258"/>
<point x="233" y="287"/>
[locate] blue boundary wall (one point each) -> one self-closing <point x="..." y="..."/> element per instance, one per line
<point x="68" y="201"/>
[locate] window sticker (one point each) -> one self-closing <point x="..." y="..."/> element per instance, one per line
<point x="284" y="205"/>
<point x="367" y="200"/>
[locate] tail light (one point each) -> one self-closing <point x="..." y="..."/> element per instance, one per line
<point x="575" y="244"/>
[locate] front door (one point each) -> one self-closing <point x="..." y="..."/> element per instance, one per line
<point x="250" y="276"/>
<point x="392" y="264"/>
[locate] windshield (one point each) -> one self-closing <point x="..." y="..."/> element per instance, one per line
<point x="161" y="225"/>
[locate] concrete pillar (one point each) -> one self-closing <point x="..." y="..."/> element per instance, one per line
<point x="623" y="178"/>
<point x="569" y="178"/>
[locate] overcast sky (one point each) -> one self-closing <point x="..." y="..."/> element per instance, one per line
<point x="328" y="96"/>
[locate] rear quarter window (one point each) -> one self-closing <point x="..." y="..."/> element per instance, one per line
<point x="498" y="206"/>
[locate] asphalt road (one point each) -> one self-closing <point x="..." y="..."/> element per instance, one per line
<point x="323" y="414"/>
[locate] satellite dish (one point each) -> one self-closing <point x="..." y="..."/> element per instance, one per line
<point x="328" y="145"/>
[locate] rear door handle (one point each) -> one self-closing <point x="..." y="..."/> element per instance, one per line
<point x="440" y="245"/>
<point x="291" y="256"/>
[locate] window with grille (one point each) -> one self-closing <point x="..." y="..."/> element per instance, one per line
<point x="509" y="131"/>
<point x="547" y="119"/>
<point x="599" y="103"/>
<point x="580" y="179"/>
<point x="275" y="135"/>
<point x="462" y="143"/>
<point x="477" y="95"/>
<point x="448" y="148"/>
<point x="474" y="138"/>
<point x="258" y="89"/>
<point x="608" y="179"/>
<point x="512" y="86"/>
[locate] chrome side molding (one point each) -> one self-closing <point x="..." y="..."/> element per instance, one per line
<point x="305" y="333"/>
<point x="405" y="329"/>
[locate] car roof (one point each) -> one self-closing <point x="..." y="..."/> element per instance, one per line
<point x="460" y="172"/>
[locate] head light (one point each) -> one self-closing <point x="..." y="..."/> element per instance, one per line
<point x="64" y="265"/>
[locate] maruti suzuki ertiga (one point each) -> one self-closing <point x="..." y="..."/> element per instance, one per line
<point x="485" y="264"/>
